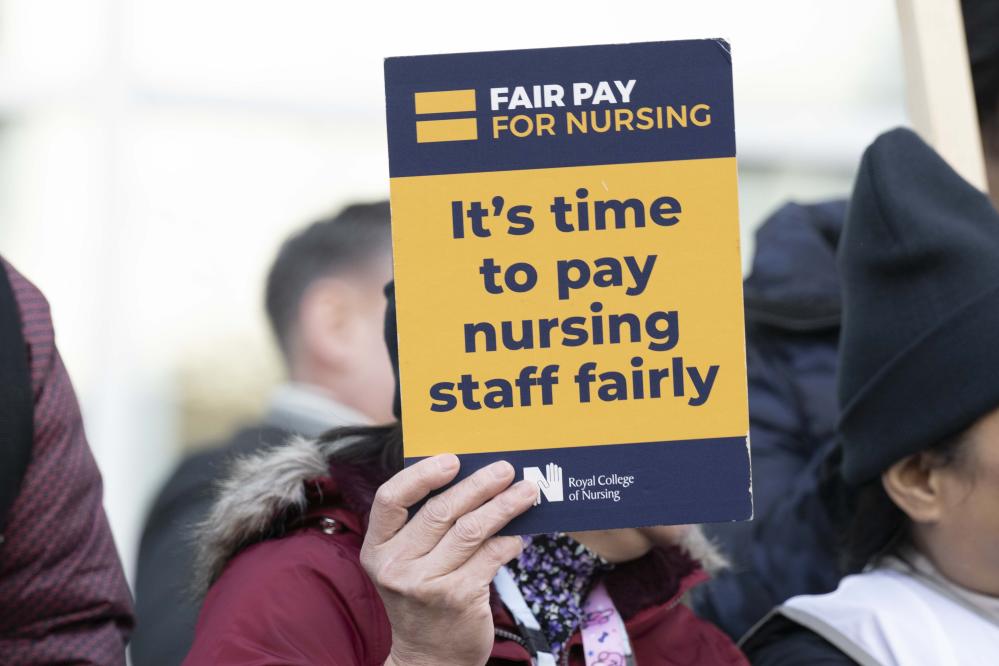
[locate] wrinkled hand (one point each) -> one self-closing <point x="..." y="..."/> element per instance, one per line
<point x="433" y="572"/>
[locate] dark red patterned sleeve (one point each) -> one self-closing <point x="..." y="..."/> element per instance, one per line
<point x="63" y="595"/>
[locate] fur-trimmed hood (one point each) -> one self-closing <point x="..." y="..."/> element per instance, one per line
<point x="254" y="501"/>
<point x="264" y="491"/>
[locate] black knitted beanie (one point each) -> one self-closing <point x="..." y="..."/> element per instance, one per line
<point x="919" y="347"/>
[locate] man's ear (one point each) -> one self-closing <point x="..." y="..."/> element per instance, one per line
<point x="913" y="484"/>
<point x="325" y="320"/>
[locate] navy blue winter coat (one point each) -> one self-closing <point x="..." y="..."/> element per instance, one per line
<point x="792" y="329"/>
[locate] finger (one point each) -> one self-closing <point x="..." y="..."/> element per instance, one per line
<point x="389" y="510"/>
<point x="482" y="566"/>
<point x="440" y="513"/>
<point x="473" y="529"/>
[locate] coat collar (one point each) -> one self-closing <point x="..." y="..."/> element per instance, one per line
<point x="271" y="491"/>
<point x="261" y="494"/>
<point x="308" y="410"/>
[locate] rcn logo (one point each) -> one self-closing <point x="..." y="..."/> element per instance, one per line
<point x="549" y="483"/>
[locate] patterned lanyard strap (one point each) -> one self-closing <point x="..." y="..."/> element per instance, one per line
<point x="513" y="599"/>
<point x="605" y="640"/>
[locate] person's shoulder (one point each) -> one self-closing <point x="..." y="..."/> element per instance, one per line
<point x="30" y="299"/>
<point x="306" y="573"/>
<point x="793" y="288"/>
<point x="300" y="598"/>
<point x="310" y="552"/>
<point x="36" y="329"/>
<point x="783" y="642"/>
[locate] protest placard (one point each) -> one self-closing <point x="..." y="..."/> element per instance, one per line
<point x="568" y="276"/>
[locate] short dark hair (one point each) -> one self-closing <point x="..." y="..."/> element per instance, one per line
<point x="347" y="241"/>
<point x="876" y="526"/>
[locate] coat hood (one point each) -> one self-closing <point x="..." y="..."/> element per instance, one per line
<point x="794" y="284"/>
<point x="255" y="500"/>
<point x="267" y="491"/>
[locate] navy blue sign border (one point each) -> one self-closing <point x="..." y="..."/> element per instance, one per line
<point x="678" y="482"/>
<point x="675" y="73"/>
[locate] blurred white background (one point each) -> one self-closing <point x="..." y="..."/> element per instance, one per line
<point x="153" y="154"/>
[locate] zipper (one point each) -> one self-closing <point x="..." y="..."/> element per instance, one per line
<point x="510" y="636"/>
<point x="516" y="638"/>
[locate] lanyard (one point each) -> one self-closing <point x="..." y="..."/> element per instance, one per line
<point x="605" y="640"/>
<point x="512" y="598"/>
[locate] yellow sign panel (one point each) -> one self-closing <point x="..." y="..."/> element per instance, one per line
<point x="689" y="270"/>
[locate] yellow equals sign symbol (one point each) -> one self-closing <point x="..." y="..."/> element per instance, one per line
<point x="451" y="129"/>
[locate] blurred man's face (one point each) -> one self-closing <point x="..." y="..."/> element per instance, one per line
<point x="339" y="344"/>
<point x="373" y="369"/>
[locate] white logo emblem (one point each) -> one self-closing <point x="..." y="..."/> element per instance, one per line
<point x="550" y="483"/>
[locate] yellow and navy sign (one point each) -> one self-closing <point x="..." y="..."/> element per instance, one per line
<point x="568" y="277"/>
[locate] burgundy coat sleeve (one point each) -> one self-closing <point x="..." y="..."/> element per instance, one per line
<point x="296" y="601"/>
<point x="63" y="595"/>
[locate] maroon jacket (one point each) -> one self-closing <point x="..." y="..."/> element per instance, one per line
<point x="303" y="598"/>
<point x="63" y="596"/>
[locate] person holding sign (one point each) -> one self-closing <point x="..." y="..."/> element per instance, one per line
<point x="314" y="559"/>
<point x="919" y="399"/>
<point x="560" y="281"/>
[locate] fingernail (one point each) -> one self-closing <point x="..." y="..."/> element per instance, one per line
<point x="527" y="489"/>
<point x="501" y="469"/>
<point x="447" y="462"/>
